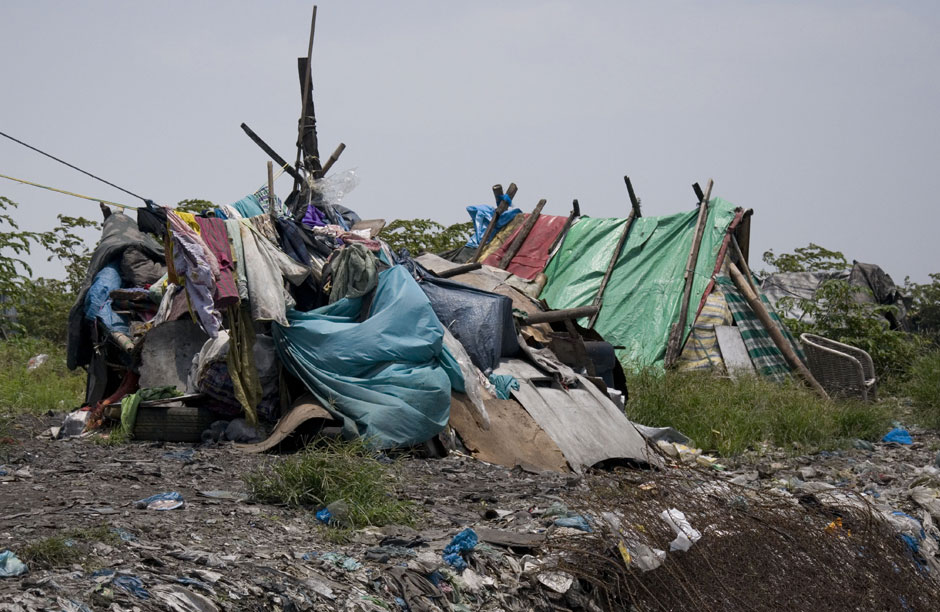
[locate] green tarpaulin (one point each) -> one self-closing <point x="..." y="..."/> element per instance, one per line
<point x="642" y="298"/>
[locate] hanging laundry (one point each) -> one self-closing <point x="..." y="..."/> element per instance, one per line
<point x="197" y="268"/>
<point x="216" y="238"/>
<point x="265" y="265"/>
<point x="355" y="272"/>
<point x="233" y="227"/>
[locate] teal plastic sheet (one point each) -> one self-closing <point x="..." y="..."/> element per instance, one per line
<point x="642" y="298"/>
<point x="388" y="377"/>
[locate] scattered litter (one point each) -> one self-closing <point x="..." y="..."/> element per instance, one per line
<point x="131" y="584"/>
<point x="74" y="424"/>
<point x="10" y="565"/>
<point x="559" y="582"/>
<point x="186" y="455"/>
<point x="685" y="534"/>
<point x="898" y="436"/>
<point x="161" y="501"/>
<point x="124" y="534"/>
<point x="463" y="542"/>
<point x="179" y="599"/>
<point x="574" y="522"/>
<point x="338" y="559"/>
<point x="35" y="362"/>
<point x="202" y="557"/>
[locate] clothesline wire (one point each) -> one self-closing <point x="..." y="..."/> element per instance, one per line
<point x="71" y="166"/>
<point x="71" y="193"/>
<point x="84" y="197"/>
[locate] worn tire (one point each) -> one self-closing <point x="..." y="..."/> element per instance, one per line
<point x="173" y="424"/>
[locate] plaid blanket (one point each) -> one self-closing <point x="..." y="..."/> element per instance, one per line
<point x="766" y="357"/>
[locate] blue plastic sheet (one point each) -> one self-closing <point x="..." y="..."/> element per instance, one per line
<point x="10" y="565"/>
<point x="387" y="377"/>
<point x="481" y="216"/>
<point x="463" y="542"/>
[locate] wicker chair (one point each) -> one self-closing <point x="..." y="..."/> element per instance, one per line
<point x="841" y="369"/>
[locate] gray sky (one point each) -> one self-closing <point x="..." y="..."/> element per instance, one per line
<point x="821" y="116"/>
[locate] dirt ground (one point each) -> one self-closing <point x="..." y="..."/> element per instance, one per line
<point x="221" y="551"/>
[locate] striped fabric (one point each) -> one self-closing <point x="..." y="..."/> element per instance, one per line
<point x="766" y="357"/>
<point x="701" y="350"/>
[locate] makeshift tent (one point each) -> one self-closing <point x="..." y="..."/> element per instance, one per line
<point x="642" y="298"/>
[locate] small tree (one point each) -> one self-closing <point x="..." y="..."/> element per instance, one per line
<point x="423" y="235"/>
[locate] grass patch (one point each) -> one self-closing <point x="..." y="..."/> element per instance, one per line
<point x="728" y="417"/>
<point x="346" y="471"/>
<point x="923" y="387"/>
<point x="66" y="548"/>
<point x="49" y="387"/>
<point x="115" y="437"/>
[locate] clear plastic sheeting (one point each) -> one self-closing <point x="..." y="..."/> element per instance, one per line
<point x="642" y="298"/>
<point x="387" y="377"/>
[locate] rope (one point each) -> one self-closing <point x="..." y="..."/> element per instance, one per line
<point x="77" y="195"/>
<point x="72" y="167"/>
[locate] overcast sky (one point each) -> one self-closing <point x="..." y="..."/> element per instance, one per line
<point x="824" y="117"/>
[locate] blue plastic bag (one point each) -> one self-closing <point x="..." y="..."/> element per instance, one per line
<point x="899" y="436"/>
<point x="463" y="542"/>
<point x="10" y="565"/>
<point x="161" y="501"/>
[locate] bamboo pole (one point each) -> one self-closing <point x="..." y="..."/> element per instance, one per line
<point x="550" y="316"/>
<point x="674" y="346"/>
<point x="776" y="335"/>
<point x="520" y="238"/>
<point x="332" y="160"/>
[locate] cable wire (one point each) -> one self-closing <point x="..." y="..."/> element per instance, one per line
<point x="77" y="195"/>
<point x="71" y="166"/>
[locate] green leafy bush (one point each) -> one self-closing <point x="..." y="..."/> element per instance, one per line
<point x="924" y="309"/>
<point x="423" y="235"/>
<point x="923" y="387"/>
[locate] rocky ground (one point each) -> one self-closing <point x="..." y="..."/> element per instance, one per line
<point x="221" y="551"/>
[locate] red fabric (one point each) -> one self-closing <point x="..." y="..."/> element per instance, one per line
<point x="212" y="231"/>
<point x="532" y="257"/>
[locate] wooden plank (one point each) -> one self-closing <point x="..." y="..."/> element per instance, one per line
<point x="460" y="270"/>
<point x="676" y="339"/>
<point x="510" y="539"/>
<point x="281" y="162"/>
<point x="733" y="351"/>
<point x="776" y="335"/>
<point x="522" y="235"/>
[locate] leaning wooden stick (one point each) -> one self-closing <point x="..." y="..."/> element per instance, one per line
<point x="575" y="213"/>
<point x="271" y="152"/>
<point x="520" y="238"/>
<point x="501" y="206"/>
<point x="776" y="335"/>
<point x="634" y="213"/>
<point x="332" y="160"/>
<point x="674" y="346"/>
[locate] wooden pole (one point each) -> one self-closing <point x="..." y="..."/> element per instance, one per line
<point x="332" y="160"/>
<point x="522" y="235"/>
<point x="550" y="316"/>
<point x="575" y="213"/>
<point x="458" y="270"/>
<point x="634" y="213"/>
<point x="281" y="162"/>
<point x="271" y="191"/>
<point x="306" y="92"/>
<point x="674" y="346"/>
<point x="501" y="206"/>
<point x="753" y="300"/>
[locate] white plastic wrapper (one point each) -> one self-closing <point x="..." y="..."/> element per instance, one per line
<point x="686" y="536"/>
<point x="471" y="379"/>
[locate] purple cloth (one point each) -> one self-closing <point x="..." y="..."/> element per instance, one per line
<point x="193" y="262"/>
<point x="314" y="217"/>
